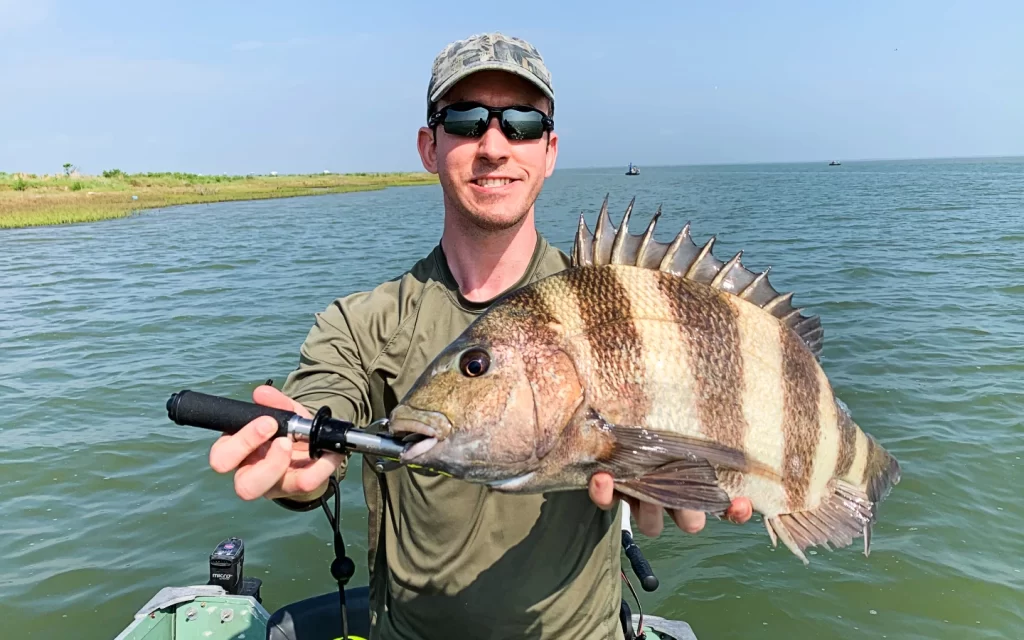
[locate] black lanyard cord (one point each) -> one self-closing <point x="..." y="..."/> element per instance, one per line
<point x="343" y="568"/>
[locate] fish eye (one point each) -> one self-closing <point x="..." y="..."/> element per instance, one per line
<point x="474" y="362"/>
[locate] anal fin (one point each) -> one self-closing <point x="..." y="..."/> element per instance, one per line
<point x="845" y="515"/>
<point x="686" y="484"/>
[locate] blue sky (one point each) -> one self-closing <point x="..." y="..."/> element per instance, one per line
<point x="295" y="87"/>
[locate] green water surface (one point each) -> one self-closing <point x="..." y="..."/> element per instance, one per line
<point x="916" y="268"/>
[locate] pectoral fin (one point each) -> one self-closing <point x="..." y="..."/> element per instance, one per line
<point x="687" y="484"/>
<point x="668" y="469"/>
<point x="640" y="448"/>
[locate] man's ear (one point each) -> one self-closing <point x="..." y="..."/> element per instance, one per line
<point x="427" y="146"/>
<point x="552" y="153"/>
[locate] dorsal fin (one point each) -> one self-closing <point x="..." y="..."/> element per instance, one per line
<point x="609" y="244"/>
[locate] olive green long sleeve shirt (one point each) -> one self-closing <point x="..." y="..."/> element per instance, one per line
<point x="447" y="556"/>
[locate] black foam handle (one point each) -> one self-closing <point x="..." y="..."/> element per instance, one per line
<point x="639" y="563"/>
<point x="217" y="413"/>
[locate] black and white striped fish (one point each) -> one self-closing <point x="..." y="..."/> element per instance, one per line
<point x="691" y="380"/>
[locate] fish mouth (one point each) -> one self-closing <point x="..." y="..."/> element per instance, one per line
<point x="422" y="429"/>
<point x="418" y="449"/>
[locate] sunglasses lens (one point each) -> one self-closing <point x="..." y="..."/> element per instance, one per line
<point x="470" y="122"/>
<point x="522" y="125"/>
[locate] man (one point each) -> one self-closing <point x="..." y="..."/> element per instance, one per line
<point x="445" y="555"/>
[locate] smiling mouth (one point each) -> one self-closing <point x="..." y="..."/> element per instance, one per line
<point x="492" y="182"/>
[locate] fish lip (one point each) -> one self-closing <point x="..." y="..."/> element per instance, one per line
<point x="408" y="420"/>
<point x="418" y="449"/>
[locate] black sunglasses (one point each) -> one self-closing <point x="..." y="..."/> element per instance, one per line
<point x="471" y="119"/>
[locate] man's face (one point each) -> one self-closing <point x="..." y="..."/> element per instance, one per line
<point x="489" y="181"/>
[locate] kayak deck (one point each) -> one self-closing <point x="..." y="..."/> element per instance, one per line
<point x="207" y="612"/>
<point x="202" y="612"/>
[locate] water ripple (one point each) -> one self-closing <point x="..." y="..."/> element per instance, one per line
<point x="914" y="268"/>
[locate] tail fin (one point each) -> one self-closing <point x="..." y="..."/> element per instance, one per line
<point x="881" y="472"/>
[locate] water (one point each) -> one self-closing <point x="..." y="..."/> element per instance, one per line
<point x="915" y="267"/>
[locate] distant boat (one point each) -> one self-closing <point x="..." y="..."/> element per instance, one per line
<point x="633" y="170"/>
<point x="834" y="164"/>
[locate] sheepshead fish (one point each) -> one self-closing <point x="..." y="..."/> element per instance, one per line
<point x="690" y="380"/>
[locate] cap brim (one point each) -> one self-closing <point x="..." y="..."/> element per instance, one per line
<point x="444" y="87"/>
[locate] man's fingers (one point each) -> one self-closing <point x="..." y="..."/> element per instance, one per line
<point x="740" y="511"/>
<point x="229" y="451"/>
<point x="313" y="477"/>
<point x="649" y="519"/>
<point x="271" y="397"/>
<point x="258" y="477"/>
<point x="602" y="490"/>
<point x="689" y="521"/>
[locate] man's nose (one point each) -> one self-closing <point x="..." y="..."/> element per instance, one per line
<point x="493" y="145"/>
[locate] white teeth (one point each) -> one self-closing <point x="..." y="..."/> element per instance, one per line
<point x="493" y="182"/>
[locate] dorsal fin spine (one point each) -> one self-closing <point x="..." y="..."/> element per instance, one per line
<point x="603" y="222"/>
<point x="620" y="235"/>
<point x="704" y="251"/>
<point x="747" y="290"/>
<point x="720" y="278"/>
<point x="777" y="300"/>
<point x="648" y="235"/>
<point x="794" y="313"/>
<point x="731" y="277"/>
<point x="582" y="232"/>
<point x="670" y="255"/>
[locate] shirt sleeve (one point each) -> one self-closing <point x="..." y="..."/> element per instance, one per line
<point x="332" y="369"/>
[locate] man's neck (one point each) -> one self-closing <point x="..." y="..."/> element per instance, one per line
<point x="487" y="263"/>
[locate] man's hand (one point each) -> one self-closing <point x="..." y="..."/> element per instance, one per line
<point x="277" y="468"/>
<point x="649" y="517"/>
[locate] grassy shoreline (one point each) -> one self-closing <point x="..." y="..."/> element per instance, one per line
<point x="27" y="200"/>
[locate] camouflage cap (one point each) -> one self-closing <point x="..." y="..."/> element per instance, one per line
<point x="488" y="51"/>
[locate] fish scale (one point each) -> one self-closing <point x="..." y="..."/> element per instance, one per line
<point x="690" y="380"/>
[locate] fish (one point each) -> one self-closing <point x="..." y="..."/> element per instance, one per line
<point x="689" y="379"/>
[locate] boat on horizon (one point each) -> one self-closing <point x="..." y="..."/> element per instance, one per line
<point x="834" y="163"/>
<point x="633" y="170"/>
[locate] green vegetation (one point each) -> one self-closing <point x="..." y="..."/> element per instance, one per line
<point x="28" y="200"/>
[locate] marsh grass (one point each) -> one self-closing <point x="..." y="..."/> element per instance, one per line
<point x="29" y="200"/>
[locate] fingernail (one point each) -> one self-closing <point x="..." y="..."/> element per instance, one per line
<point x="284" y="444"/>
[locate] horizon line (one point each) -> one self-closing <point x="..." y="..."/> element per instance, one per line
<point x="817" y="161"/>
<point x="616" y="167"/>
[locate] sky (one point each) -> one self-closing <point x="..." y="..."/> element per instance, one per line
<point x="237" y="87"/>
